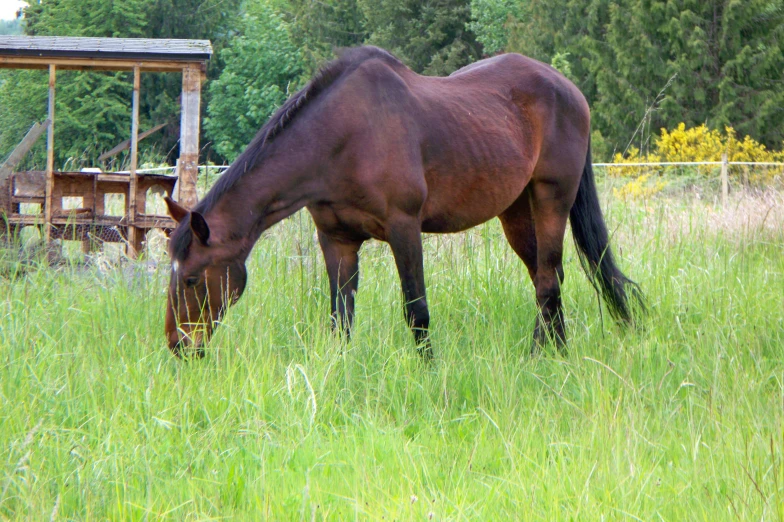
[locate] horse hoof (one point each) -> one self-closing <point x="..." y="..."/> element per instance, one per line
<point x="425" y="352"/>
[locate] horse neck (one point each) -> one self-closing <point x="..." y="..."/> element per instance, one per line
<point x="278" y="186"/>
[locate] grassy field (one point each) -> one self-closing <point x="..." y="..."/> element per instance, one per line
<point x="678" y="420"/>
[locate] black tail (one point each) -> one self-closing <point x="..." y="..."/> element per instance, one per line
<point x="590" y="236"/>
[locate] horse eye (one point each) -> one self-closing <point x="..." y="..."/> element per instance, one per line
<point x="190" y="282"/>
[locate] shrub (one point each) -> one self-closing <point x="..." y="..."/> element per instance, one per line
<point x="696" y="144"/>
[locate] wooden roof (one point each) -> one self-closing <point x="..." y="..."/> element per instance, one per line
<point x="106" y="53"/>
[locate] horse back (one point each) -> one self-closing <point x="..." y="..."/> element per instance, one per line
<point x="462" y="148"/>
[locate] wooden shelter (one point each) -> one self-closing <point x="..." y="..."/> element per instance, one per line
<point x="47" y="188"/>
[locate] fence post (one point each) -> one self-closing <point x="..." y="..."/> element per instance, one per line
<point x="725" y="179"/>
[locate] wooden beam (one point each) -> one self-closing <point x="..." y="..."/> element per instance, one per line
<point x="189" y="135"/>
<point x="43" y="62"/>
<point x="134" y="234"/>
<point x="125" y="145"/>
<point x="50" y="156"/>
<point x="22" y="149"/>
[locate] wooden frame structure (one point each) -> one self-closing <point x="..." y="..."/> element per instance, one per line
<point x="188" y="57"/>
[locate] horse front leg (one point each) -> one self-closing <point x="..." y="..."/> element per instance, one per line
<point x="342" y="260"/>
<point x="406" y="241"/>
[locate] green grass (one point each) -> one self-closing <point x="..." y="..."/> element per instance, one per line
<point x="679" y="420"/>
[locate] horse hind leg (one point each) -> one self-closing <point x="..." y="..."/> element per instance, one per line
<point x="550" y="204"/>
<point x="518" y="224"/>
<point x="521" y="233"/>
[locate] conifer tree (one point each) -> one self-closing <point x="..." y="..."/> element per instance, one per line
<point x="431" y="37"/>
<point x="262" y="69"/>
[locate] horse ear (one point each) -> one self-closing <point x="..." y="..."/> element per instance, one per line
<point x="200" y="228"/>
<point x="176" y="211"/>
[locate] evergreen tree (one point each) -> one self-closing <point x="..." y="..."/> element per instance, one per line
<point x="646" y="64"/>
<point x="318" y="28"/>
<point x="723" y="62"/>
<point x="642" y="64"/>
<point x="493" y="21"/>
<point x="263" y="67"/>
<point x="10" y="27"/>
<point x="431" y="37"/>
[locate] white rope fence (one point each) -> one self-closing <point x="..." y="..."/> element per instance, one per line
<point x="724" y="164"/>
<point x="689" y="163"/>
<point x="221" y="168"/>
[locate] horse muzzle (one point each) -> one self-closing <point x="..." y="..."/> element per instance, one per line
<point x="184" y="346"/>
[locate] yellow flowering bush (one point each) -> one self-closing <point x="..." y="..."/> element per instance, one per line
<point x="703" y="144"/>
<point x="696" y="144"/>
<point x="640" y="188"/>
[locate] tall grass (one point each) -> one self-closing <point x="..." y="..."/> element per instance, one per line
<point x="680" y="419"/>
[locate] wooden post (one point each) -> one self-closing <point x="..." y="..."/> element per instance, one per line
<point x="189" y="134"/>
<point x="134" y="234"/>
<point x="177" y="172"/>
<point x="19" y="152"/>
<point x="725" y="179"/>
<point x="49" y="157"/>
<point x="7" y="168"/>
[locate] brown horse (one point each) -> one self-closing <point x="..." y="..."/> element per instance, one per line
<point x="374" y="150"/>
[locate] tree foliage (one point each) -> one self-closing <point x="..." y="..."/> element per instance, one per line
<point x="642" y="65"/>
<point x="10" y="27"/>
<point x="493" y="21"/>
<point x="279" y="44"/>
<point x="262" y="67"/>
<point x="430" y="37"/>
<point x="93" y="109"/>
<point x="317" y="28"/>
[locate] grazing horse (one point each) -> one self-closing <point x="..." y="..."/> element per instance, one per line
<point x="374" y="150"/>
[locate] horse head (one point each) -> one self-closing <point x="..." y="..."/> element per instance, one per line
<point x="207" y="276"/>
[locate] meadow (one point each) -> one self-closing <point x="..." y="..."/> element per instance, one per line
<point x="678" y="419"/>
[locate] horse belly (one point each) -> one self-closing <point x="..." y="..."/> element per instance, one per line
<point x="478" y="168"/>
<point x="459" y="202"/>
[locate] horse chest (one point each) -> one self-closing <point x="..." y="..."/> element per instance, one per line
<point x="346" y="223"/>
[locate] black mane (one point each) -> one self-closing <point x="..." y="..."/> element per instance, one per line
<point x="348" y="60"/>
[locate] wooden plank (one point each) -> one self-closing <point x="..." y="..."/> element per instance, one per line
<point x="43" y="62"/>
<point x="125" y="145"/>
<point x="189" y="135"/>
<point x="30" y="183"/>
<point x="145" y="222"/>
<point x="134" y="234"/>
<point x="50" y="155"/>
<point x="103" y="47"/>
<point x="114" y="177"/>
<point x="22" y="149"/>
